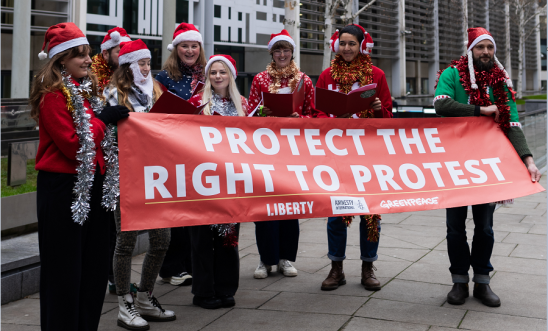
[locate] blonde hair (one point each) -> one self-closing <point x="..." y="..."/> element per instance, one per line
<point x="49" y="78"/>
<point x="232" y="92"/>
<point x="122" y="79"/>
<point x="172" y="63"/>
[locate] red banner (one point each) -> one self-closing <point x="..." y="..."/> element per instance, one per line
<point x="182" y="170"/>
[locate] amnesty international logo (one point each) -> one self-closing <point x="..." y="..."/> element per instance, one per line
<point x="348" y="205"/>
<point x="360" y="205"/>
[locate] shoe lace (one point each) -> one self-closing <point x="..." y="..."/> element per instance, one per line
<point x="130" y="306"/>
<point x="368" y="272"/>
<point x="155" y="303"/>
<point x="287" y="264"/>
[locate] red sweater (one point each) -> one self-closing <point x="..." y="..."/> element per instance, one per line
<point x="58" y="140"/>
<point x="383" y="93"/>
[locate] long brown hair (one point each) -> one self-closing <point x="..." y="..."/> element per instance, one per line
<point x="122" y="78"/>
<point x="49" y="78"/>
<point x="172" y="63"/>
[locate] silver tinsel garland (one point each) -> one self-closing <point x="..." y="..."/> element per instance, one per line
<point x="85" y="155"/>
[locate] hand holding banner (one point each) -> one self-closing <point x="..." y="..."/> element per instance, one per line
<point x="194" y="170"/>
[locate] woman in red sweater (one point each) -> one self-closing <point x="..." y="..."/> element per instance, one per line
<point x="72" y="225"/>
<point x="352" y="69"/>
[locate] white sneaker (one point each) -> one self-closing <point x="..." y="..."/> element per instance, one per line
<point x="262" y="270"/>
<point x="151" y="310"/>
<point x="182" y="279"/>
<point x="285" y="267"/>
<point x="128" y="316"/>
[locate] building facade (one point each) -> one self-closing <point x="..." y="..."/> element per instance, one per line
<point x="413" y="38"/>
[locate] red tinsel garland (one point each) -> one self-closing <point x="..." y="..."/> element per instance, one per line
<point x="494" y="78"/>
<point x="102" y="70"/>
<point x="372" y="222"/>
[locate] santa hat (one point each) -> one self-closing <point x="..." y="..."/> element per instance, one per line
<point x="282" y="36"/>
<point x="365" y="46"/>
<point x="227" y="59"/>
<point x="114" y="37"/>
<point x="61" y="37"/>
<point x="185" y="32"/>
<point x="476" y="35"/>
<point x="133" y="51"/>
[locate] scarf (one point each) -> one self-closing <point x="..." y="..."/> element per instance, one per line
<point x="145" y="84"/>
<point x="495" y="79"/>
<point x="223" y="106"/>
<point x="290" y="72"/>
<point x="195" y="70"/>
<point x="347" y="73"/>
<point x="102" y="70"/>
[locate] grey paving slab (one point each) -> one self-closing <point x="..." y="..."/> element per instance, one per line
<point x="387" y="241"/>
<point x="413" y="292"/>
<point x="394" y="218"/>
<point x="497" y="322"/>
<point x="310" y="264"/>
<point x="315" y="303"/>
<point x="411" y="313"/>
<point x="25" y="311"/>
<point x="109" y="306"/>
<point x="428" y="273"/>
<point x="525" y="238"/>
<point x="515" y="281"/>
<point x="311" y="250"/>
<point x="179" y="296"/>
<point x="265" y="320"/>
<point x="411" y="255"/>
<point x="541" y="205"/>
<point x="530" y="251"/>
<point x="534" y="219"/>
<point x="518" y="265"/>
<point x="311" y="283"/>
<point x="538" y="197"/>
<point x="425" y="220"/>
<point x="369" y="324"/>
<point x="538" y="229"/>
<point x="512" y="227"/>
<point x="19" y="327"/>
<point x="188" y="318"/>
<point x="437" y="257"/>
<point x="523" y="204"/>
<point x="520" y="211"/>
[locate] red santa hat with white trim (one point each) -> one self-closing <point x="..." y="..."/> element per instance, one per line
<point x="133" y="51"/>
<point x="114" y="37"/>
<point x="365" y="46"/>
<point x="475" y="36"/>
<point x="282" y="36"/>
<point x="61" y="37"/>
<point x="226" y="59"/>
<point x="185" y="32"/>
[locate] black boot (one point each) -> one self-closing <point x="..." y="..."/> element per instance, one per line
<point x="458" y="294"/>
<point x="486" y="295"/>
<point x="207" y="302"/>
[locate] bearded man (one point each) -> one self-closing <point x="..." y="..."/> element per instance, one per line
<point x="104" y="63"/>
<point x="475" y="89"/>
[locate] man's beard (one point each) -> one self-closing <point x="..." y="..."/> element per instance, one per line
<point x="483" y="66"/>
<point x="111" y="63"/>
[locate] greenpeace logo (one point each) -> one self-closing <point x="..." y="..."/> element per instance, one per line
<point x="348" y="205"/>
<point x="409" y="202"/>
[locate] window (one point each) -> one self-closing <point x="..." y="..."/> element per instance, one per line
<point x="181" y="12"/>
<point x="229" y="13"/>
<point x="240" y="16"/>
<point x="262" y="39"/>
<point x="424" y="85"/>
<point x="217" y="11"/>
<point x="229" y="34"/>
<point x="278" y="3"/>
<point x="216" y="33"/>
<point x="99" y="7"/>
<point x="264" y="2"/>
<point x="240" y="35"/>
<point x="273" y="17"/>
<point x="282" y="18"/>
<point x="411" y="85"/>
<point x="261" y="16"/>
<point x="258" y="2"/>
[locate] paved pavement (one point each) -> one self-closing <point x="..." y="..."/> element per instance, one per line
<point x="413" y="267"/>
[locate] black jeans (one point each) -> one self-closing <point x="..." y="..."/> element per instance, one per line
<point x="178" y="257"/>
<point x="277" y="240"/>
<point x="482" y="244"/>
<point x="111" y="246"/>
<point x="216" y="267"/>
<point x="74" y="258"/>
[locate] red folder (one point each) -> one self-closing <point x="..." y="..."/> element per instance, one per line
<point x="283" y="105"/>
<point x="170" y="103"/>
<point x="337" y="103"/>
<point x="197" y="89"/>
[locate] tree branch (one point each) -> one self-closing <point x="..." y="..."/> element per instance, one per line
<point x="363" y="8"/>
<point x="334" y="7"/>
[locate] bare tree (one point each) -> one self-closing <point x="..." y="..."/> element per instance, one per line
<point x="347" y="18"/>
<point x="293" y="25"/>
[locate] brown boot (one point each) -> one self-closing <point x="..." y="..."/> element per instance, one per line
<point x="369" y="280"/>
<point x="335" y="277"/>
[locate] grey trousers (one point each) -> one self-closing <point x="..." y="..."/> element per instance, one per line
<point x="125" y="243"/>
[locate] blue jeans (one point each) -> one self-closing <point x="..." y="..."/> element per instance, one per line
<point x="482" y="243"/>
<point x="336" y="239"/>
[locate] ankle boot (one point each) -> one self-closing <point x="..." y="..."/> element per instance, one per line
<point x="458" y="294"/>
<point x="486" y="295"/>
<point x="335" y="277"/>
<point x="151" y="310"/>
<point x="128" y="316"/>
<point x="369" y="280"/>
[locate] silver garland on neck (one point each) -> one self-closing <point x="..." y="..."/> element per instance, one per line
<point x="224" y="106"/>
<point x="85" y="171"/>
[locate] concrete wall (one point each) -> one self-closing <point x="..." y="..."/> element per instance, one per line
<point x="311" y="64"/>
<point x="256" y="59"/>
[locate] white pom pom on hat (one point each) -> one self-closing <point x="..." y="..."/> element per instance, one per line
<point x="170" y="47"/>
<point x="115" y="36"/>
<point x="42" y="55"/>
